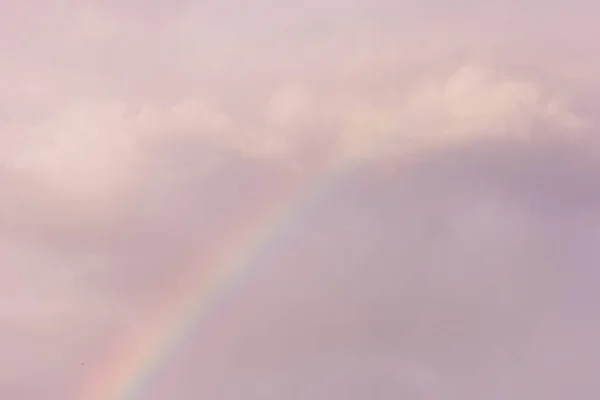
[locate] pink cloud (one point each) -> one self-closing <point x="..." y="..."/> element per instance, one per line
<point x="454" y="261"/>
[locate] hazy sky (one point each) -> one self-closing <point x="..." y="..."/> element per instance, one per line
<point x="456" y="261"/>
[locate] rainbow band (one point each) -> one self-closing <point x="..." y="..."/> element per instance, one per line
<point x="124" y="376"/>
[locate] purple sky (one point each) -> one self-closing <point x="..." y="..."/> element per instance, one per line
<point x="457" y="262"/>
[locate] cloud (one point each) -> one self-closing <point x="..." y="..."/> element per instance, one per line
<point x="97" y="149"/>
<point x="356" y="90"/>
<point x="456" y="239"/>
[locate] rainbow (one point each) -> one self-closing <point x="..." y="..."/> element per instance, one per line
<point x="149" y="346"/>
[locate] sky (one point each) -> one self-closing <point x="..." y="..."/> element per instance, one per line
<point x="449" y="253"/>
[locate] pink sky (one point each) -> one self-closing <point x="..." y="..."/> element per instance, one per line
<point x="456" y="262"/>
